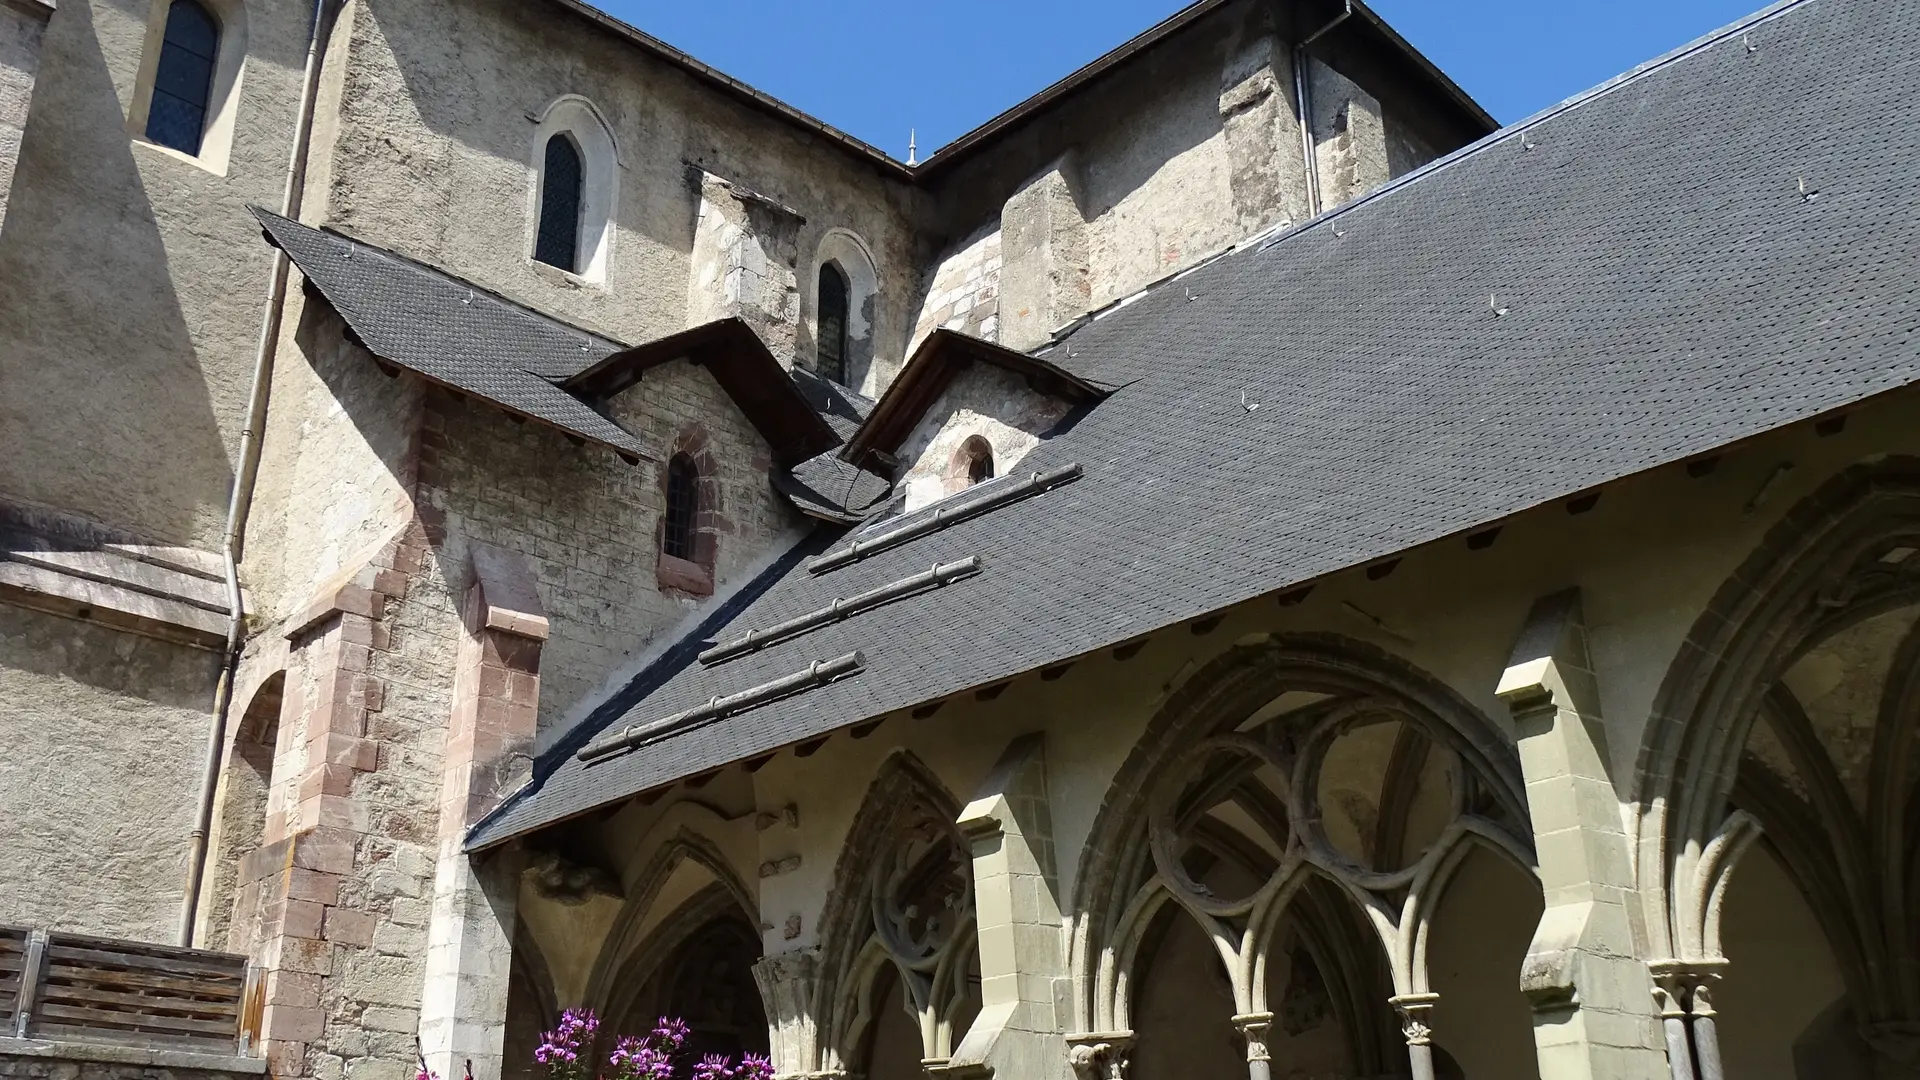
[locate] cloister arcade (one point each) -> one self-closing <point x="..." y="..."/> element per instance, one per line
<point x="1319" y="861"/>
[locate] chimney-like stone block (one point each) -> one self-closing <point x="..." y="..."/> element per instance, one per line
<point x="1044" y="280"/>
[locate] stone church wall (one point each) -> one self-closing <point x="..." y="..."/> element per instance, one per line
<point x="433" y="155"/>
<point x="129" y="415"/>
<point x="102" y="733"/>
<point x="22" y="24"/>
<point x="1175" y="156"/>
<point x="590" y="523"/>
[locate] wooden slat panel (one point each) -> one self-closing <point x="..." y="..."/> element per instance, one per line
<point x="152" y="1040"/>
<point x="60" y="950"/>
<point x="142" y="980"/>
<point x="72" y="1015"/>
<point x="148" y="948"/>
<point x="90" y="996"/>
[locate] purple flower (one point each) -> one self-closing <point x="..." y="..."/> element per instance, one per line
<point x="713" y="1067"/>
<point x="671" y="1033"/>
<point x="754" y="1067"/>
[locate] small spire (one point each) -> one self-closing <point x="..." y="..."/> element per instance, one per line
<point x="913" y="147"/>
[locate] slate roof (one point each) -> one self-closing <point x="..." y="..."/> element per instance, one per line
<point x="1719" y="244"/>
<point x="452" y="332"/>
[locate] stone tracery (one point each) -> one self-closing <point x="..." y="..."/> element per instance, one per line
<point x="1322" y="769"/>
<point x="1790" y="723"/>
<point x="904" y="909"/>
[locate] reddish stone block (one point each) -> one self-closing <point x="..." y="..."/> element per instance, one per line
<point x="367" y="693"/>
<point x="330" y="851"/>
<point x="309" y="955"/>
<point x="284" y="1057"/>
<point x="332" y="812"/>
<point x="292" y="988"/>
<point x="300" y="918"/>
<point x="335" y="748"/>
<point x="326" y="779"/>
<point x="313" y="885"/>
<point x="390" y="582"/>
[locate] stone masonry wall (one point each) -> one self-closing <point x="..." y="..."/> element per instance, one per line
<point x="102" y="733"/>
<point x="983" y="400"/>
<point x="129" y="414"/>
<point x="38" y="1060"/>
<point x="964" y="292"/>
<point x="590" y="523"/>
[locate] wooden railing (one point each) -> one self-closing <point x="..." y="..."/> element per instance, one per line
<point x="90" y="989"/>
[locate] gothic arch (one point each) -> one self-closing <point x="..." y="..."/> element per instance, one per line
<point x="1731" y="752"/>
<point x="629" y="933"/>
<point x="904" y="830"/>
<point x="1252" y="734"/>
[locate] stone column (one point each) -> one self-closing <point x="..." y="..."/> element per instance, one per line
<point x="1010" y="828"/>
<point x="787" y="986"/>
<point x="1044" y="281"/>
<point x="1591" y="1019"/>
<point x="304" y="908"/>
<point x="1670" y="995"/>
<point x="1416" y="1012"/>
<point x="1253" y="1028"/>
<point x="1683" y="991"/>
<point x="496" y="695"/>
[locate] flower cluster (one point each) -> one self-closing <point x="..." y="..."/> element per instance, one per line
<point x="566" y="1049"/>
<point x="563" y="1049"/>
<point x="715" y="1067"/>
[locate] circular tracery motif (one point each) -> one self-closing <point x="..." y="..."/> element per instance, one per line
<point x="922" y="892"/>
<point x="1335" y="781"/>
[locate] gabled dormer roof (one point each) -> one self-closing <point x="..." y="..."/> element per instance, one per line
<point x="932" y="368"/>
<point x="743" y="366"/>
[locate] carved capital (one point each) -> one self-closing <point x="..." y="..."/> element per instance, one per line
<point x="1100" y="1055"/>
<point x="1415" y="1010"/>
<point x="1253" y="1027"/>
<point x="1685" y="987"/>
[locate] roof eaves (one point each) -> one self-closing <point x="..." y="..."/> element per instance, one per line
<point x="947" y="156"/>
<point x="932" y="368"/>
<point x="745" y="368"/>
<point x="601" y="430"/>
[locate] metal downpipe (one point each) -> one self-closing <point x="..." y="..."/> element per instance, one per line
<point x="1303" y="104"/>
<point x="241" y="500"/>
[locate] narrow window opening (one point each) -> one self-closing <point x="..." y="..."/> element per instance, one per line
<point x="683" y="507"/>
<point x="831" y="341"/>
<point x="977" y="455"/>
<point x="183" y="79"/>
<point x="562" y="194"/>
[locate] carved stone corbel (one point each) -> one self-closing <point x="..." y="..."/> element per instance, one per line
<point x="1100" y="1055"/>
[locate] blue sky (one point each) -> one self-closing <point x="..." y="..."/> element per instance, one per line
<point x="876" y="68"/>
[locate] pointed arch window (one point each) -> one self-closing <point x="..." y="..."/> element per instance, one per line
<point x="562" y="194"/>
<point x="683" y="508"/>
<point x="831" y="347"/>
<point x="183" y="79"/>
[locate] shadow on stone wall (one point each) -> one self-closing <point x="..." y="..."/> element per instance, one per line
<point x="105" y="409"/>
